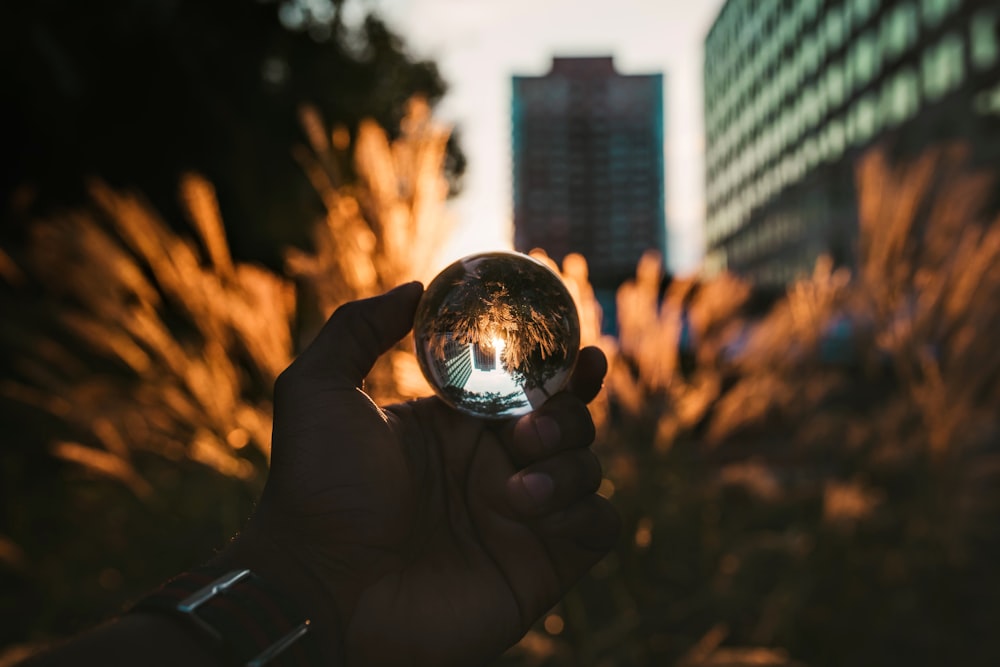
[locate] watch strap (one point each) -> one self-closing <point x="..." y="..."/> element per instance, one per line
<point x="244" y="620"/>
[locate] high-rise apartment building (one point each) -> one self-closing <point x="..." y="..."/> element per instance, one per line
<point x="588" y="171"/>
<point x="795" y="90"/>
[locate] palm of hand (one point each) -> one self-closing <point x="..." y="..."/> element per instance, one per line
<point x="441" y="575"/>
<point x="411" y="518"/>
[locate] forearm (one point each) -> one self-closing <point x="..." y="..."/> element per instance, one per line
<point x="258" y="551"/>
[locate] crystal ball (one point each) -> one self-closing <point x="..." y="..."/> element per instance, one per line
<point x="497" y="334"/>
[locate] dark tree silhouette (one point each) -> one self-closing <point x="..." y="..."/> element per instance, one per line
<point x="489" y="403"/>
<point x="138" y="91"/>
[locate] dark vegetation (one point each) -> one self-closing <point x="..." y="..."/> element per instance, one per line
<point x="814" y="481"/>
<point x="137" y="92"/>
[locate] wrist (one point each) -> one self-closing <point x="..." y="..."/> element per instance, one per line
<point x="255" y="549"/>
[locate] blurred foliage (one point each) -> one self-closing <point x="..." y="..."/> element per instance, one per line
<point x="383" y="229"/>
<point x="139" y="92"/>
<point x="807" y="478"/>
<point x="821" y="484"/>
<point x="136" y="368"/>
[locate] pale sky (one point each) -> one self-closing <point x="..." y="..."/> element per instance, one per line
<point x="479" y="44"/>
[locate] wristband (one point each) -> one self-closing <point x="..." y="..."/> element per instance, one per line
<point x="245" y="620"/>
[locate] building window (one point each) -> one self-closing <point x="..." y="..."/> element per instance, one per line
<point x="821" y="96"/>
<point x="798" y="119"/>
<point x="771" y="93"/>
<point x="784" y="81"/>
<point x="834" y="139"/>
<point x="934" y="11"/>
<point x="767" y="183"/>
<point x="810" y="106"/>
<point x="823" y="145"/>
<point x="796" y="71"/>
<point x="771" y="137"/>
<point x="943" y="66"/>
<point x="835" y="84"/>
<point x="798" y="164"/>
<point x="985" y="45"/>
<point x="863" y="10"/>
<point x="810" y="55"/>
<point x="900" y="96"/>
<point x="781" y="131"/>
<point x="899" y="30"/>
<point x="835" y="28"/>
<point x="865" y="60"/>
<point x="866" y="118"/>
<point x="810" y="150"/>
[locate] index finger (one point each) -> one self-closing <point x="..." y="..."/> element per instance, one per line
<point x="588" y="376"/>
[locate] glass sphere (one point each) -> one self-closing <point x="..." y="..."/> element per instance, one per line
<point x="497" y="334"/>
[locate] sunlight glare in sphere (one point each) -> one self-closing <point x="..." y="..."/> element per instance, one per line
<point x="497" y="334"/>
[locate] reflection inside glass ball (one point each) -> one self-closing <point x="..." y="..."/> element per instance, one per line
<point x="497" y="334"/>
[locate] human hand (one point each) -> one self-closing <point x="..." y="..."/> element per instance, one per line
<point x="423" y="535"/>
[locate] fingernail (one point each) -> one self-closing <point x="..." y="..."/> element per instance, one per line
<point x="538" y="486"/>
<point x="548" y="431"/>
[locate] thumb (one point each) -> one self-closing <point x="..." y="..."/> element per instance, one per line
<point x="357" y="334"/>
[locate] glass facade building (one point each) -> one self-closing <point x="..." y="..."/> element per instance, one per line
<point x="796" y="90"/>
<point x="588" y="167"/>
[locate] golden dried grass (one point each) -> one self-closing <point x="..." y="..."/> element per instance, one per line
<point x="146" y="341"/>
